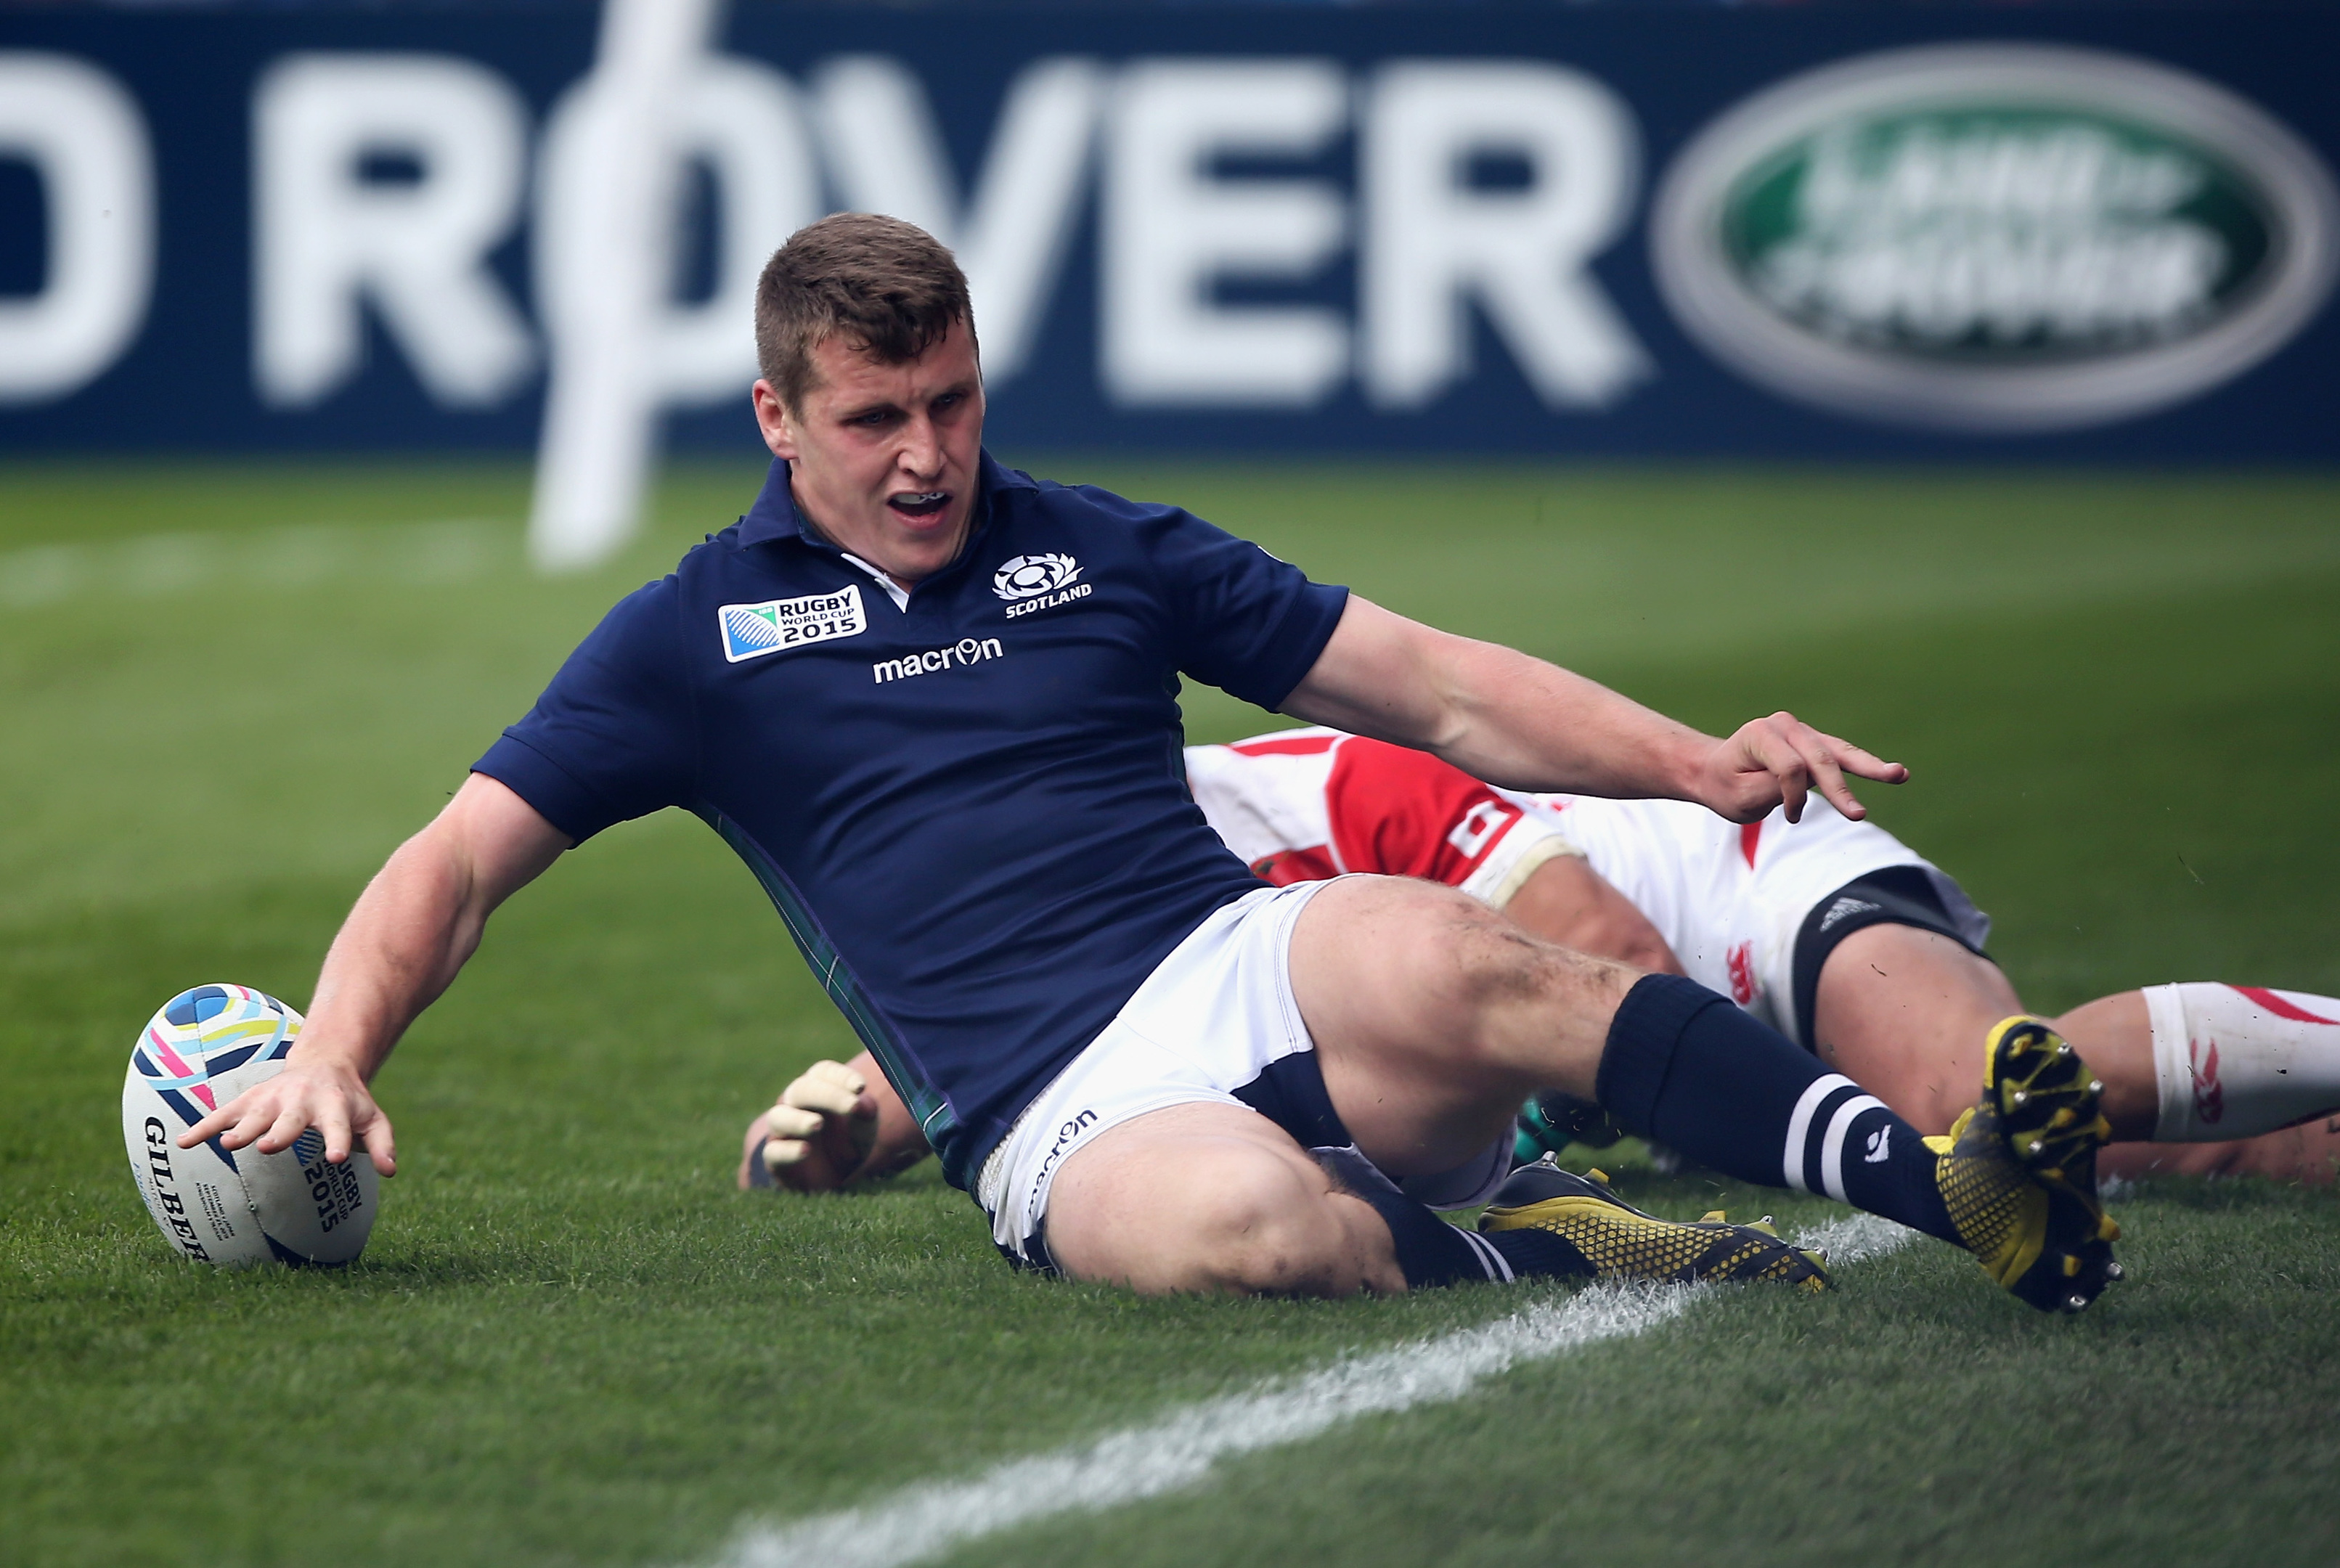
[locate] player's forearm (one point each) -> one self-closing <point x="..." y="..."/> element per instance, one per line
<point x="1495" y="712"/>
<point x="1524" y="724"/>
<point x="410" y="934"/>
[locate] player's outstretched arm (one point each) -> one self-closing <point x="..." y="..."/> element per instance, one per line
<point x="409" y="935"/>
<point x="839" y="1123"/>
<point x="1519" y="722"/>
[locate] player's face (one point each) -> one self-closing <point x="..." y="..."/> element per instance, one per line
<point x="882" y="457"/>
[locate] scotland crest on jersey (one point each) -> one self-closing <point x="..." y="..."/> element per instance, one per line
<point x="1030" y="582"/>
<point x="1029" y="576"/>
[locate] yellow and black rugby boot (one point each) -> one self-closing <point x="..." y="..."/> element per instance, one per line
<point x="2018" y="1171"/>
<point x="1615" y="1240"/>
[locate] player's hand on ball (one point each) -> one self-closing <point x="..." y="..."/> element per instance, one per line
<point x="322" y="1093"/>
<point x="822" y="1129"/>
<point x="1779" y="761"/>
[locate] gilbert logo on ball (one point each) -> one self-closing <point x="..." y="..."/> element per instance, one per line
<point x="206" y="1046"/>
<point x="1995" y="238"/>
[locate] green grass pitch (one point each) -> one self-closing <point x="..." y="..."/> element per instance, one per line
<point x="228" y="691"/>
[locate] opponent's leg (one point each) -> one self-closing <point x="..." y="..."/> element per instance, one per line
<point x="1433" y="1018"/>
<point x="2233" y="1080"/>
<point x="1905" y="1011"/>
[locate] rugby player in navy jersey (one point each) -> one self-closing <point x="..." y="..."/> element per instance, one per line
<point x="1831" y="930"/>
<point x="931" y="702"/>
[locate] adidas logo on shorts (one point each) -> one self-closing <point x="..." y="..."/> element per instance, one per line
<point x="1844" y="909"/>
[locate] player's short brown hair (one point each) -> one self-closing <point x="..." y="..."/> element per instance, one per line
<point x="888" y="287"/>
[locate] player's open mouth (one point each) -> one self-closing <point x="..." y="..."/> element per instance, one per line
<point x="921" y="503"/>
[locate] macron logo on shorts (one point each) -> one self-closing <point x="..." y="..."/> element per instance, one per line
<point x="777" y="625"/>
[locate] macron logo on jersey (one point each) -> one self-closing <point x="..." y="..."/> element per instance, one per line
<point x="1033" y="582"/>
<point x="777" y="625"/>
<point x="967" y="650"/>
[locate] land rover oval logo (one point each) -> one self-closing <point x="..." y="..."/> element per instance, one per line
<point x="1997" y="238"/>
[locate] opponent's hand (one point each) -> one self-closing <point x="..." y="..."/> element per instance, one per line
<point x="1779" y="761"/>
<point x="822" y="1129"/>
<point x="327" y="1096"/>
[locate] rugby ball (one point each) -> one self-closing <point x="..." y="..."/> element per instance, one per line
<point x="205" y="1048"/>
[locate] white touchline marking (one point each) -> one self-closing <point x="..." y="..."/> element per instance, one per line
<point x="152" y="565"/>
<point x="920" y="1521"/>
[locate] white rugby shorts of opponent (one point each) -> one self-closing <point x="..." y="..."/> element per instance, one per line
<point x="1829" y="929"/>
<point x="931" y="702"/>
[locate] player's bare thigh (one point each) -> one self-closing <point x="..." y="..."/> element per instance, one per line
<point x="1215" y="1198"/>
<point x="1433" y="1016"/>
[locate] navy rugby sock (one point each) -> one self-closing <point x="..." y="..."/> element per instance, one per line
<point x="1684" y="1067"/>
<point x="1429" y="1250"/>
<point x="1433" y="1252"/>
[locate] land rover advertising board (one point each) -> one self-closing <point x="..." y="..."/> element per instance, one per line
<point x="1995" y="237"/>
<point x="2055" y="231"/>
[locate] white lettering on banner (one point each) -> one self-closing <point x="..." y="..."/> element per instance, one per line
<point x="1433" y="244"/>
<point x="966" y="651"/>
<point x="738" y="120"/>
<point x="1170" y="232"/>
<point x="886" y="154"/>
<point x="86" y="141"/>
<point x="616" y="149"/>
<point x="327" y="240"/>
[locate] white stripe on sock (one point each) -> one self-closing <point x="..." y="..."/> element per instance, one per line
<point x="1801" y="1124"/>
<point x="1832" y="1145"/>
<point x="1491" y="1258"/>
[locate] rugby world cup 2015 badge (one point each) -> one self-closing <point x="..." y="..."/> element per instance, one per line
<point x="778" y="625"/>
<point x="1995" y="238"/>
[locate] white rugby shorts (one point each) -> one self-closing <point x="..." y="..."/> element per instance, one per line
<point x="1214" y="1016"/>
<point x="1729" y="898"/>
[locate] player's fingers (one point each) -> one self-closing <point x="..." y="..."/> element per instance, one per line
<point x="837" y="1073"/>
<point x="1864" y="763"/>
<point x="812" y="1093"/>
<point x="781" y="1153"/>
<point x="333" y="1121"/>
<point x="219" y="1121"/>
<point x="253" y="1120"/>
<point x="377" y="1141"/>
<point x="1772" y="745"/>
<point x="1793" y="795"/>
<point x="289" y="1125"/>
<point x="1820" y="767"/>
<point x="789" y="1122"/>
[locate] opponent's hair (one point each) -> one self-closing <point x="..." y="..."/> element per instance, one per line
<point x="888" y="288"/>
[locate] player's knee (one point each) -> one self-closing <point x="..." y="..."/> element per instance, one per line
<point x="1263" y="1227"/>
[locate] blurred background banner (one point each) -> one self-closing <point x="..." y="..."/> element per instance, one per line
<point x="2063" y="233"/>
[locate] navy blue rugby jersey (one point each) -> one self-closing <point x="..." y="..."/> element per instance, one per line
<point x="969" y="806"/>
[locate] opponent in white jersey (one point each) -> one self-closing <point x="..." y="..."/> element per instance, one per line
<point x="1833" y="931"/>
<point x="1727" y="900"/>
